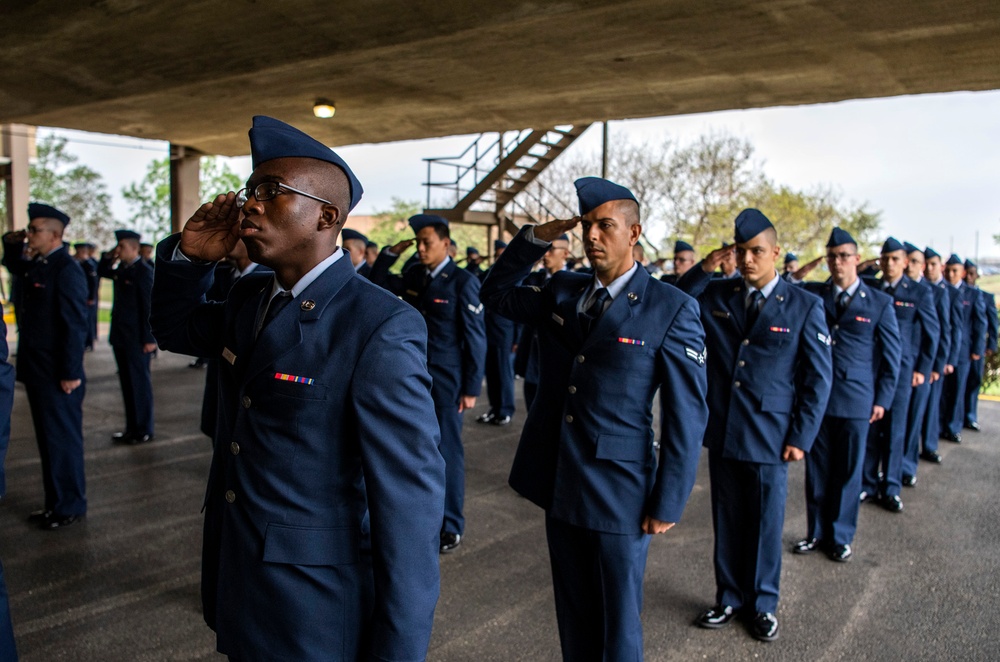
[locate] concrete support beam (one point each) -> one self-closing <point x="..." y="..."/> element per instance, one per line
<point x="185" y="183"/>
<point x="17" y="147"/>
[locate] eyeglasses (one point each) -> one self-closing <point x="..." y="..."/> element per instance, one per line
<point x="268" y="190"/>
<point x="840" y="257"/>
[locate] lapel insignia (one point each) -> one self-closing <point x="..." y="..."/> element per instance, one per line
<point x="632" y="341"/>
<point x="823" y="339"/>
<point x="308" y="304"/>
<point x="779" y="297"/>
<point x="720" y="313"/>
<point x="862" y="295"/>
<point x="632" y="296"/>
<point x="695" y="355"/>
<point x="228" y="355"/>
<point x="308" y="381"/>
<point x="474" y="309"/>
<point x="558" y="320"/>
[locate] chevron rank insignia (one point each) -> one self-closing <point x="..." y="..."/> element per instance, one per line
<point x="823" y="339"/>
<point x="535" y="288"/>
<point x="475" y="309"/>
<point x="695" y="355"/>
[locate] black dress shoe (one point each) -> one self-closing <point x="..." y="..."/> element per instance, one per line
<point x="972" y="425"/>
<point x="955" y="438"/>
<point x="909" y="481"/>
<point x="841" y="553"/>
<point x="122" y="437"/>
<point x="764" y="627"/>
<point x="930" y="456"/>
<point x="486" y="418"/>
<point x="806" y="545"/>
<point x="54" y="521"/>
<point x="893" y="504"/>
<point x="500" y="420"/>
<point x="450" y="541"/>
<point x="140" y="439"/>
<point x="717" y="617"/>
<point x="39" y="515"/>
<point x="865" y="496"/>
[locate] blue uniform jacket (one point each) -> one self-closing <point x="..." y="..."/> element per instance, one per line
<point x="6" y="403"/>
<point x="991" y="320"/>
<point x="918" y="325"/>
<point x="767" y="386"/>
<point x="947" y="351"/>
<point x="586" y="452"/>
<point x="863" y="336"/>
<point x="526" y="359"/>
<point x="456" y="331"/>
<point x="971" y="309"/>
<point x="52" y="317"/>
<point x="326" y="479"/>
<point x="133" y="285"/>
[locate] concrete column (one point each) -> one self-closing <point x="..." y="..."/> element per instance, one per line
<point x="185" y="182"/>
<point x="18" y="145"/>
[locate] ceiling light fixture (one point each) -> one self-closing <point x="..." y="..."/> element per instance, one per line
<point x="324" y="109"/>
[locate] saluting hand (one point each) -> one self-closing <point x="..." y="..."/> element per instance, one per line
<point x="397" y="249"/>
<point x="212" y="232"/>
<point x="652" y="526"/>
<point x="807" y="268"/>
<point x="553" y="229"/>
<point x="712" y="261"/>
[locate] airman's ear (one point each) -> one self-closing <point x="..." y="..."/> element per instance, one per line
<point x="330" y="217"/>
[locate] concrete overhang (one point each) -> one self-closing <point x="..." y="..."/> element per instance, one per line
<point x="193" y="72"/>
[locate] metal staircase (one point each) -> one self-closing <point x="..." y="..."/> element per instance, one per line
<point x="489" y="180"/>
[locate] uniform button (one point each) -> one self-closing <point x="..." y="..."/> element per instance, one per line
<point x="579" y="358"/>
<point x="741" y="363"/>
<point x="234" y="448"/>
<point x="746" y="341"/>
<point x="836" y="326"/>
<point x="569" y="419"/>
<point x="572" y="390"/>
<point x="736" y="384"/>
<point x="833" y="342"/>
<point x="230" y="496"/>
<point x="246" y="402"/>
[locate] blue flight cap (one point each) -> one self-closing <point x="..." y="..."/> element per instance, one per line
<point x="273" y="139"/>
<point x="892" y="245"/>
<point x="680" y="246"/>
<point x="789" y="257"/>
<point x="420" y="221"/>
<point x="471" y="250"/>
<point x="726" y="244"/>
<point x="371" y="244"/>
<point x="969" y="264"/>
<point x="127" y="234"/>
<point x="749" y="224"/>
<point x="348" y="233"/>
<point x="39" y="210"/>
<point x="930" y="252"/>
<point x="954" y="259"/>
<point x="498" y="245"/>
<point x="839" y="237"/>
<point x="910" y="248"/>
<point x="594" y="192"/>
<point x="84" y="244"/>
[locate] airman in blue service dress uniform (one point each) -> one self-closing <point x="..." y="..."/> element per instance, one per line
<point x="976" y="372"/>
<point x="971" y="348"/>
<point x="607" y="342"/>
<point x="920" y="397"/>
<point x="949" y="310"/>
<point x="355" y="244"/>
<point x="684" y="259"/>
<point x="448" y="298"/>
<point x="920" y="330"/>
<point x="769" y="377"/>
<point x="327" y="487"/>
<point x="131" y="337"/>
<point x="863" y="334"/>
<point x="499" y="365"/>
<point x="8" y="649"/>
<point x="85" y="256"/>
<point x="53" y="324"/>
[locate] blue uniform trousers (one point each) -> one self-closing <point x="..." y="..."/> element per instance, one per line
<point x="8" y="651"/>
<point x="445" y="391"/>
<point x="919" y="401"/>
<point x="137" y="389"/>
<point x="597" y="579"/>
<point x="953" y="403"/>
<point x="932" y="417"/>
<point x="886" y="440"/>
<point x="91" y="325"/>
<point x="973" y="383"/>
<point x="833" y="479"/>
<point x="530" y="389"/>
<point x="500" y="379"/>
<point x="748" y="514"/>
<point x="58" y="420"/>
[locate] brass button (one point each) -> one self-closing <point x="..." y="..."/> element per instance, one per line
<point x="579" y="358"/>
<point x="234" y="448"/>
<point x="572" y="390"/>
<point x="569" y="419"/>
<point x="230" y="496"/>
<point x="246" y="402"/>
<point x="836" y="326"/>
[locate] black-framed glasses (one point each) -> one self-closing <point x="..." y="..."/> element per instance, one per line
<point x="268" y="190"/>
<point x="840" y="257"/>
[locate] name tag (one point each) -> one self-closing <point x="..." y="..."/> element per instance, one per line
<point x="721" y="314"/>
<point x="558" y="320"/>
<point x="229" y="356"/>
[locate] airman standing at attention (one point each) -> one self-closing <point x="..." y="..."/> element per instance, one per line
<point x="499" y="364"/>
<point x="949" y="310"/>
<point x="769" y="378"/>
<point x="448" y="298"/>
<point x="84" y="254"/>
<point x="53" y="325"/>
<point x="355" y="244"/>
<point x="8" y="648"/>
<point x="971" y="348"/>
<point x="131" y="337"/>
<point x="684" y="259"/>
<point x="976" y="372"/>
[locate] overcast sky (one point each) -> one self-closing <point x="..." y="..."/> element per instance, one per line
<point x="930" y="163"/>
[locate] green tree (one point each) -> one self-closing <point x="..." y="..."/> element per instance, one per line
<point x="149" y="198"/>
<point x="56" y="178"/>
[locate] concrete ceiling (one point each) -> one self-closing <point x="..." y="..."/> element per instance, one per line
<point x="194" y="71"/>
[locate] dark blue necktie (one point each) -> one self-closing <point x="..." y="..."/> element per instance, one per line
<point x="280" y="300"/>
<point x="590" y="316"/>
<point x="753" y="308"/>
